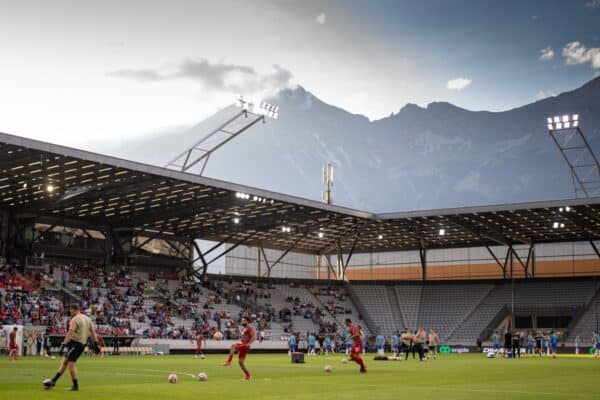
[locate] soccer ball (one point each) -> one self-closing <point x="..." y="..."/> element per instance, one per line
<point x="47" y="383"/>
<point x="53" y="358"/>
<point x="195" y="357"/>
<point x="344" y="361"/>
<point x="202" y="357"/>
<point x="328" y="368"/>
<point x="172" y="378"/>
<point x="202" y="377"/>
<point x="491" y="354"/>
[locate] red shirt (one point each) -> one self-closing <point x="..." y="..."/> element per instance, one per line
<point x="356" y="334"/>
<point x="247" y="334"/>
<point x="199" y="339"/>
<point x="12" y="336"/>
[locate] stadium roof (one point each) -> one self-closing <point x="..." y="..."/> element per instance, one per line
<point x="43" y="180"/>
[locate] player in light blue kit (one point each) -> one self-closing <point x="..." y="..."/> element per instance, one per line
<point x="311" y="344"/>
<point x="553" y="343"/>
<point x="496" y="341"/>
<point x="596" y="338"/>
<point x="292" y="343"/>
<point x="379" y="343"/>
<point x="529" y="343"/>
<point x="396" y="344"/>
<point x="328" y="346"/>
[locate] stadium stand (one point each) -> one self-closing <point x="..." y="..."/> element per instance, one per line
<point x="173" y="307"/>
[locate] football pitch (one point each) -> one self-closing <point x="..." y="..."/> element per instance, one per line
<point x="454" y="376"/>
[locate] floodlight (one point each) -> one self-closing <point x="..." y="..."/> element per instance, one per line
<point x="575" y="124"/>
<point x="560" y="209"/>
<point x="562" y="225"/>
<point x="550" y="126"/>
<point x="549" y="120"/>
<point x="555" y="225"/>
<point x="321" y="234"/>
<point x="567" y="208"/>
<point x="556" y="119"/>
<point x="565" y="118"/>
<point x="380" y="237"/>
<point x="24" y="185"/>
<point x="559" y="125"/>
<point x="575" y="117"/>
<point x="567" y="125"/>
<point x="50" y="188"/>
<point x="442" y="232"/>
<point x="236" y="220"/>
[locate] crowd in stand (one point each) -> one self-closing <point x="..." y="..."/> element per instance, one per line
<point x="115" y="300"/>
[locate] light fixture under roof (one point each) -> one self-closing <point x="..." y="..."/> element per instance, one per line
<point x="236" y="220"/>
<point x="555" y="225"/>
<point x="380" y="237"/>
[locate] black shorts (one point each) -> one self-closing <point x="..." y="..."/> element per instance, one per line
<point x="431" y="348"/>
<point x="538" y="343"/>
<point x="74" y="350"/>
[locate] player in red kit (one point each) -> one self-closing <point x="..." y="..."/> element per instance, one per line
<point x="13" y="347"/>
<point x="356" y="335"/>
<point x="243" y="347"/>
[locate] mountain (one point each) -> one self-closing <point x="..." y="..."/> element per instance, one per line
<point x="418" y="158"/>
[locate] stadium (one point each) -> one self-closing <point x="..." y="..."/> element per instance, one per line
<point x="120" y="239"/>
<point x="126" y="279"/>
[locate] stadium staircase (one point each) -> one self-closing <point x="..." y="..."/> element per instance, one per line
<point x="409" y="300"/>
<point x="585" y="325"/>
<point x="502" y="314"/>
<point x="163" y="298"/>
<point x="470" y="313"/>
<point x="362" y="310"/>
<point x="65" y="294"/>
<point x="395" y="307"/>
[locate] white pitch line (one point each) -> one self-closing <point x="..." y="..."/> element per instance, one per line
<point x="479" y="390"/>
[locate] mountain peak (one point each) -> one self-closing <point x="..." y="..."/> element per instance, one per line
<point x="442" y="105"/>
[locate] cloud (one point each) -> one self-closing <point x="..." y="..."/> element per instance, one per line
<point x="576" y="53"/>
<point x="458" y="84"/>
<point x="542" y="94"/>
<point x="216" y="76"/>
<point x="321" y="18"/>
<point x="592" y="4"/>
<point x="546" y="54"/>
<point x="142" y="75"/>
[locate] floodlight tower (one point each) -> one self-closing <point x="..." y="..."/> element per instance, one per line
<point x="328" y="181"/>
<point x="577" y="152"/>
<point x="201" y="151"/>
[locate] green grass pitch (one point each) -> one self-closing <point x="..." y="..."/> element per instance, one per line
<point x="464" y="376"/>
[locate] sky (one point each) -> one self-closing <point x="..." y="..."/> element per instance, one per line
<point x="79" y="72"/>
